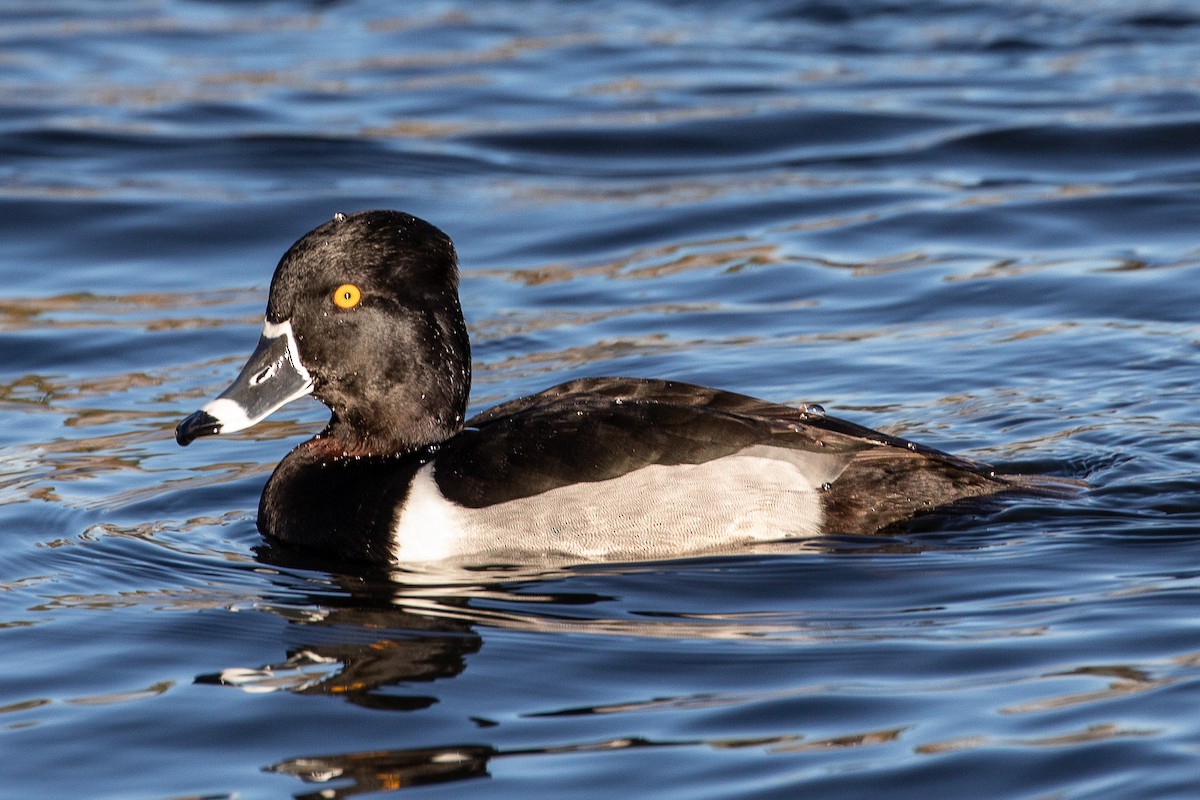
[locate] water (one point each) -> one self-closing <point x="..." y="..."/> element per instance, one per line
<point x="973" y="224"/>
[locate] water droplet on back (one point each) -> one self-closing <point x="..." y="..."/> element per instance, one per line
<point x="814" y="410"/>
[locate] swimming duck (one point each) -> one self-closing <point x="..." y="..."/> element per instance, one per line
<point x="364" y="314"/>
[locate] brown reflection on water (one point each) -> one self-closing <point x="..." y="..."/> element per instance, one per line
<point x="653" y="262"/>
<point x="139" y="311"/>
<point x="388" y="770"/>
<point x="1125" y="681"/>
<point x="215" y="80"/>
<point x="129" y="415"/>
<point x="392" y="770"/>
<point x="41" y="471"/>
<point x="1087" y="735"/>
<point x="692" y="189"/>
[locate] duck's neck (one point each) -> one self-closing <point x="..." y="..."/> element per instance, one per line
<point x="403" y="421"/>
<point x="344" y="439"/>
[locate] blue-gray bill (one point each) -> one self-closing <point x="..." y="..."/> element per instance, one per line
<point x="271" y="378"/>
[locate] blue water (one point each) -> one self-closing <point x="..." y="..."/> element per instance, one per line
<point x="970" y="223"/>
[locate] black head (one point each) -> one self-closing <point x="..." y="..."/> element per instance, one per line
<point x="368" y="305"/>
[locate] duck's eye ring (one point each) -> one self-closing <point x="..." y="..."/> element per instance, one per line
<point x="347" y="296"/>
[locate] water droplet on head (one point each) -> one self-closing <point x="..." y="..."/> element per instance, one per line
<point x="912" y="446"/>
<point x="339" y="217"/>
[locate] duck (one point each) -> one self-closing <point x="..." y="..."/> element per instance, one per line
<point x="363" y="313"/>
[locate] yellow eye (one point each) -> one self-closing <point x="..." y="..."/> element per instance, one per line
<point x="347" y="296"/>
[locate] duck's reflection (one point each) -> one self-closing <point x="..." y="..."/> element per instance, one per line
<point x="359" y="636"/>
<point x="387" y="770"/>
<point x="365" y="632"/>
<point x="367" y="638"/>
<point x="381" y="640"/>
<point x="356" y="667"/>
<point x="390" y="770"/>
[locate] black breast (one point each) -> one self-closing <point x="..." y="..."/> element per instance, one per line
<point x="343" y="507"/>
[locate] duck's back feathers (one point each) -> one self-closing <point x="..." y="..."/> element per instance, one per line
<point x="599" y="429"/>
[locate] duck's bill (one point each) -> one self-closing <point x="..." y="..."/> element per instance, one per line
<point x="271" y="378"/>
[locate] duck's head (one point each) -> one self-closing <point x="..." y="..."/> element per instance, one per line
<point x="364" y="315"/>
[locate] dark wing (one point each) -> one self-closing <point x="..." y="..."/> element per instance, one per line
<point x="641" y="392"/>
<point x="600" y="428"/>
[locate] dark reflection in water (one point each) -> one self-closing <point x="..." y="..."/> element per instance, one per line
<point x="357" y="671"/>
<point x="387" y="642"/>
<point x="398" y="769"/>
<point x="383" y="636"/>
<point x="388" y="770"/>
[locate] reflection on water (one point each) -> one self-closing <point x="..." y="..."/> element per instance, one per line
<point x="388" y="770"/>
<point x="388" y="645"/>
<point x="398" y="769"/>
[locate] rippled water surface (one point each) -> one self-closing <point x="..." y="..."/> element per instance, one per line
<point x="970" y="223"/>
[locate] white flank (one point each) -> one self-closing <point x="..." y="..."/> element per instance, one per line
<point x="762" y="493"/>
<point x="428" y="527"/>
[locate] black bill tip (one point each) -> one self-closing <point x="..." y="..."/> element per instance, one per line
<point x="199" y="424"/>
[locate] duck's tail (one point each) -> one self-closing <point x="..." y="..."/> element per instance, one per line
<point x="1042" y="485"/>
